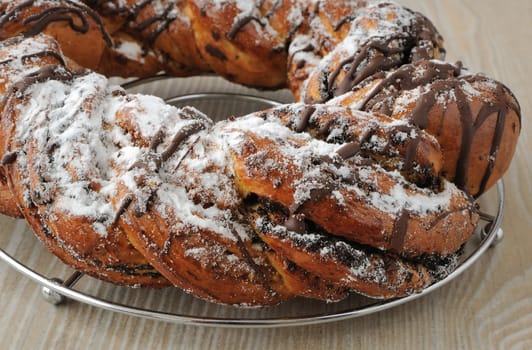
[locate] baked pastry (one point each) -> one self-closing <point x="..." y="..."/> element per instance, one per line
<point x="313" y="199"/>
<point x="53" y="187"/>
<point x="469" y="114"/>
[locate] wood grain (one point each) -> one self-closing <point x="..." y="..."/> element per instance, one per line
<point x="488" y="307"/>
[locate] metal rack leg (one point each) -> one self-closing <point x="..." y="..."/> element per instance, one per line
<point x="499" y="235"/>
<point x="55" y="298"/>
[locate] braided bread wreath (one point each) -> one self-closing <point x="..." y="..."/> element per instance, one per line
<point x="367" y="184"/>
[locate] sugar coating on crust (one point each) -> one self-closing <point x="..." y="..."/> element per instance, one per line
<point x="105" y="152"/>
<point x="403" y="195"/>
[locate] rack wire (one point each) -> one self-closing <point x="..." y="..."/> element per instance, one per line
<point x="57" y="291"/>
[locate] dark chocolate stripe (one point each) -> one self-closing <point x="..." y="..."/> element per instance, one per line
<point x="8" y="16"/>
<point x="163" y="19"/>
<point x="165" y="23"/>
<point x="215" y="52"/>
<point x="351" y="149"/>
<point x="124" y="204"/>
<point x="8" y="158"/>
<point x="470" y="208"/>
<point x="241" y="23"/>
<point x="64" y="12"/>
<point x="400" y="229"/>
<point x="110" y="8"/>
<point x="439" y="78"/>
<point x="343" y="21"/>
<point x="157" y="139"/>
<point x="50" y="72"/>
<point x="304" y="118"/>
<point x="46" y="53"/>
<point x="181" y="135"/>
<point x="404" y="79"/>
<point x="295" y="220"/>
<point x="357" y="73"/>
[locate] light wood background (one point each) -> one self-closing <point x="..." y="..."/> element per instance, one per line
<point x="488" y="307"/>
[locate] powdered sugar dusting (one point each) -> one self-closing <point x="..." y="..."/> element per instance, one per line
<point x="353" y="263"/>
<point x="82" y="125"/>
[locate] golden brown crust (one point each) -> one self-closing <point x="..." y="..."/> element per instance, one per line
<point x="73" y="238"/>
<point x="475" y="119"/>
<point x="303" y="200"/>
<point x="380" y="37"/>
<point x="303" y="283"/>
<point x="372" y="274"/>
<point x="392" y="145"/>
<point x="8" y="204"/>
<point x="355" y="217"/>
<point x="13" y="69"/>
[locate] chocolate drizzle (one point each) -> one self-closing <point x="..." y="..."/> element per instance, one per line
<point x="344" y="20"/>
<point x="301" y="63"/>
<point x="440" y="78"/>
<point x="124" y="204"/>
<point x="157" y="139"/>
<point x="470" y="207"/>
<point x="410" y="42"/>
<point x="8" y="158"/>
<point x="356" y="144"/>
<point x="39" y="54"/>
<point x="304" y="118"/>
<point x="164" y="19"/>
<point x="46" y="53"/>
<point x="349" y="150"/>
<point x="150" y="28"/>
<point x="215" y="52"/>
<point x="296" y="219"/>
<point x="245" y="18"/>
<point x="75" y="14"/>
<point x="358" y="71"/>
<point x="240" y="23"/>
<point x="153" y="162"/>
<point x="407" y="77"/>
<point x="400" y="229"/>
<point x="184" y="133"/>
<point x="43" y="74"/>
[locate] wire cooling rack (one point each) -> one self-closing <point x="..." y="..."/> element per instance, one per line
<point x="221" y="99"/>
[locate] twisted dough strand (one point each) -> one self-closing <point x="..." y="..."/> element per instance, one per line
<point x="320" y="49"/>
<point x="302" y="200"/>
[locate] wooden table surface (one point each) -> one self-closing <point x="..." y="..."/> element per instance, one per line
<point x="488" y="307"/>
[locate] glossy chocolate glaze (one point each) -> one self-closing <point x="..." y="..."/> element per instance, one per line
<point x="391" y="57"/>
<point x="122" y="207"/>
<point x="420" y="40"/>
<point x="8" y="158"/>
<point x="147" y="30"/>
<point x="45" y="73"/>
<point x="442" y="77"/>
<point x="303" y="123"/>
<point x="215" y="52"/>
<point x="240" y="23"/>
<point x="153" y="162"/>
<point x="181" y="136"/>
<point x="305" y="119"/>
<point x="75" y="14"/>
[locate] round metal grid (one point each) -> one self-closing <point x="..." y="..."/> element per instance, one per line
<point x="296" y="313"/>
